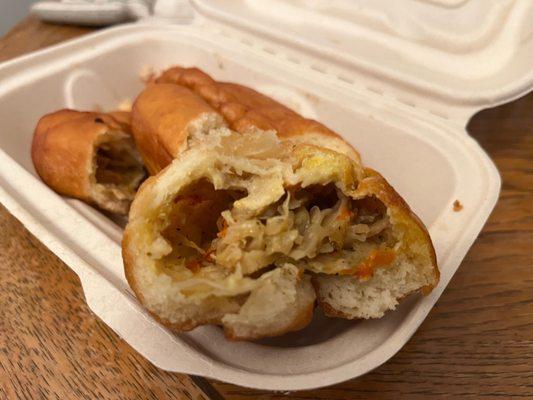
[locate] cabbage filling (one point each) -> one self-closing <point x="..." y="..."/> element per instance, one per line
<point x="317" y="228"/>
<point x="118" y="169"/>
<point x="254" y="207"/>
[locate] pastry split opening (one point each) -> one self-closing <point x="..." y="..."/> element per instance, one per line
<point x="118" y="172"/>
<point x="193" y="223"/>
<point x="119" y="164"/>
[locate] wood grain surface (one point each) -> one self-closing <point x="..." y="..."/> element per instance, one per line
<point x="477" y="343"/>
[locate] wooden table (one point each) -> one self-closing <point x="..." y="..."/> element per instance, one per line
<point x="476" y="343"/>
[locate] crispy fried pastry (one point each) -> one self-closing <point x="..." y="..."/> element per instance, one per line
<point x="89" y="156"/>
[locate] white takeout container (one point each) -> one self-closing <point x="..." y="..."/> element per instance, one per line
<point x="399" y="80"/>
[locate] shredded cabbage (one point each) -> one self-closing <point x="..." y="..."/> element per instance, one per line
<point x="318" y="228"/>
<point x="293" y="232"/>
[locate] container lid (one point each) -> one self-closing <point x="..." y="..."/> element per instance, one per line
<point x="461" y="53"/>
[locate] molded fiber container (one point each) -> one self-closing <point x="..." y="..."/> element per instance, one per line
<point x="399" y="80"/>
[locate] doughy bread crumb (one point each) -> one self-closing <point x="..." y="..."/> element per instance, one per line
<point x="147" y="74"/>
<point x="125" y="105"/>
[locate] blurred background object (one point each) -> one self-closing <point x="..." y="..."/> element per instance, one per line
<point x="12" y="11"/>
<point x="91" y="12"/>
<point x="75" y="12"/>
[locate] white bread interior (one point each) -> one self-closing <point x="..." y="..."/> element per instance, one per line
<point x="363" y="299"/>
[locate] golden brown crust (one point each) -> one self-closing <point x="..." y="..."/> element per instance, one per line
<point x="63" y="149"/>
<point x="129" y="265"/>
<point x="244" y="107"/>
<point x="415" y="233"/>
<point x="128" y="257"/>
<point x="123" y="118"/>
<point x="128" y="253"/>
<point x="161" y="120"/>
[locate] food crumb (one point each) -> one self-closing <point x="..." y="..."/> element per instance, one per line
<point x="311" y="98"/>
<point x="125" y="105"/>
<point x="147" y="74"/>
<point x="220" y="63"/>
<point x="457" y="206"/>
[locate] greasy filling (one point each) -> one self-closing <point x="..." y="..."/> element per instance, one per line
<point x="316" y="228"/>
<point x="193" y="224"/>
<point x="118" y="165"/>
